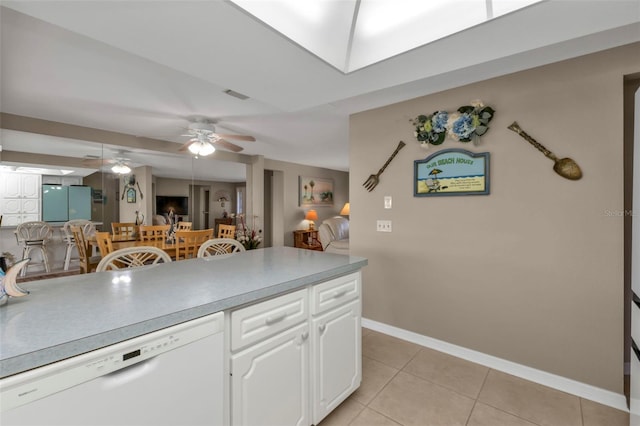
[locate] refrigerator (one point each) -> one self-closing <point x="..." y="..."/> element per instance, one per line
<point x="61" y="203"/>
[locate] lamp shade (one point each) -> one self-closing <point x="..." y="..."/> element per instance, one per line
<point x="311" y="215"/>
<point x="345" y="210"/>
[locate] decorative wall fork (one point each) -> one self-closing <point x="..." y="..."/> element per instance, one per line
<point x="373" y="180"/>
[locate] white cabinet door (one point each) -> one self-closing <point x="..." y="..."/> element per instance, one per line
<point x="270" y="381"/>
<point x="31" y="186"/>
<point x="336" y="358"/>
<point x="11" y="206"/>
<point x="30" y="206"/>
<point x="12" y="187"/>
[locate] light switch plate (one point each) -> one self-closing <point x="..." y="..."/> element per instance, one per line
<point x="387" y="201"/>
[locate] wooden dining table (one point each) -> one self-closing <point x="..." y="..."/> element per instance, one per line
<point x="119" y="242"/>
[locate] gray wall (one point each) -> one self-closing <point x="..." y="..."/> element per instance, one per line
<point x="533" y="272"/>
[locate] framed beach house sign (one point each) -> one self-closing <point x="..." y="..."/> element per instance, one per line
<point x="452" y="172"/>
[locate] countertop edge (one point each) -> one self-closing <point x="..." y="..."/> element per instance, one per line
<point x="28" y="361"/>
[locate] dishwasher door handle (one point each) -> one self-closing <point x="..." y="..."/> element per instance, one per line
<point x="129" y="373"/>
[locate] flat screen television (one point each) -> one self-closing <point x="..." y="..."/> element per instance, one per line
<point x="179" y="204"/>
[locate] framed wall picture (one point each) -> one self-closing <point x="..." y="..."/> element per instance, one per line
<point x="314" y="191"/>
<point x="452" y="172"/>
<point x="131" y="195"/>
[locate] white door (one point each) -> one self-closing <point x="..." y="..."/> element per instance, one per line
<point x="270" y="381"/>
<point x="635" y="276"/>
<point x="337" y="361"/>
<point x="11" y="206"/>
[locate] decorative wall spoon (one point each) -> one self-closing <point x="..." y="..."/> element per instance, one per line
<point x="565" y="167"/>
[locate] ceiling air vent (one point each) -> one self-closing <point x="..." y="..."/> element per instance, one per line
<point x="236" y="94"/>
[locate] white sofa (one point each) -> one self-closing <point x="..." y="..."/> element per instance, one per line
<point x="334" y="235"/>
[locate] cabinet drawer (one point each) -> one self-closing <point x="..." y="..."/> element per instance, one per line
<point x="256" y="322"/>
<point x="334" y="293"/>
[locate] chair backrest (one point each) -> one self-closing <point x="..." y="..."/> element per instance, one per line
<point x="184" y="226"/>
<point x="123" y="229"/>
<point x="226" y="231"/>
<point x="154" y="232"/>
<point x="188" y="242"/>
<point x="133" y="257"/>
<point x="220" y="246"/>
<point x="33" y="231"/>
<point x="83" y="248"/>
<point x="104" y="243"/>
<point x="88" y="228"/>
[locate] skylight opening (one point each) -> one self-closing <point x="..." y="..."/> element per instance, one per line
<point x="383" y="28"/>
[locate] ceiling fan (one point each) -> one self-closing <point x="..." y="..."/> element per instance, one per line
<point x="204" y="139"/>
<point x="119" y="164"/>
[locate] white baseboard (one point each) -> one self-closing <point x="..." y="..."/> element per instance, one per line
<point x="563" y="384"/>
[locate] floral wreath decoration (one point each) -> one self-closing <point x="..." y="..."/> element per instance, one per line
<point x="466" y="125"/>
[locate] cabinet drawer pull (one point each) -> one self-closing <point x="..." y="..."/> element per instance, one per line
<point x="339" y="294"/>
<point x="635" y="349"/>
<point x="305" y="335"/>
<point x="636" y="299"/>
<point x="276" y="318"/>
<point x="322" y="328"/>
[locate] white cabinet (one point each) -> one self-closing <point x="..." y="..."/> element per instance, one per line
<point x="270" y="381"/>
<point x="270" y="365"/>
<point x="335" y="343"/>
<point x="296" y="357"/>
<point x="21" y="185"/>
<point x="19" y="198"/>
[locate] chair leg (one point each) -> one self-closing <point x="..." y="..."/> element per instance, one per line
<point x="67" y="256"/>
<point x="45" y="258"/>
<point x="25" y="253"/>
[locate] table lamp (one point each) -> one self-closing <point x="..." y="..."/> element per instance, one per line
<point x="345" y="209"/>
<point x="311" y="216"/>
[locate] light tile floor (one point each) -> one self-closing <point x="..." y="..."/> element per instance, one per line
<point x="407" y="384"/>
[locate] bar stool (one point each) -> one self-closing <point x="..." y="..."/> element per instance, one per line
<point x="34" y="235"/>
<point x="88" y="228"/>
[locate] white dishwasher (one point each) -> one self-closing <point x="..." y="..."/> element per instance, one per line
<point x="172" y="377"/>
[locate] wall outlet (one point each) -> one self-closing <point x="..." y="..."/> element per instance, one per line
<point x="384" y="226"/>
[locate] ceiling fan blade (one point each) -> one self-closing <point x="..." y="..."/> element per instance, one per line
<point x="221" y="143"/>
<point x="239" y="137"/>
<point x="96" y="162"/>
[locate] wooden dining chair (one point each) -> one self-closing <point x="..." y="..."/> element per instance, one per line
<point x="188" y="242"/>
<point x="123" y="230"/>
<point x="220" y="246"/>
<point x="154" y="232"/>
<point x="133" y="257"/>
<point x="184" y="226"/>
<point x="226" y="231"/>
<point x="88" y="228"/>
<point x="104" y="243"/>
<point x="87" y="262"/>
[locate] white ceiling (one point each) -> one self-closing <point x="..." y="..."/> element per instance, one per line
<point x="146" y="67"/>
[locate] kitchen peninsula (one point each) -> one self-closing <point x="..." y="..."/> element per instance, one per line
<point x="264" y="294"/>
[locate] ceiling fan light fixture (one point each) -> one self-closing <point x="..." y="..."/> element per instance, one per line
<point x="202" y="148"/>
<point x="121" y="169"/>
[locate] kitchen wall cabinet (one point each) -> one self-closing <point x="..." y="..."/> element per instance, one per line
<point x="19" y="198"/>
<point x="278" y="345"/>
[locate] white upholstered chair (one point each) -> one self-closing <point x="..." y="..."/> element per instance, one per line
<point x="334" y="235"/>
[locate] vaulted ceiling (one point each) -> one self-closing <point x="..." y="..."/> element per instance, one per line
<point x="146" y="68"/>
